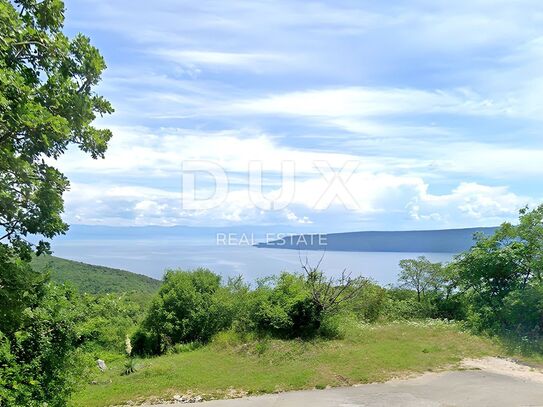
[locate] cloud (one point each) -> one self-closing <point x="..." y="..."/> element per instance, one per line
<point x="140" y="152"/>
<point x="370" y="102"/>
<point x="472" y="201"/>
<point x="140" y="182"/>
<point x="493" y="160"/>
<point x="376" y="196"/>
<point x="251" y="61"/>
<point x="425" y="96"/>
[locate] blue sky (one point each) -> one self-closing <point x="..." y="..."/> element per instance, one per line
<point x="438" y="103"/>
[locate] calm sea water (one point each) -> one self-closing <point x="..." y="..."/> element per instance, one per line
<point x="153" y="257"/>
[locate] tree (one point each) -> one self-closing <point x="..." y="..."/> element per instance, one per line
<point x="419" y="274"/>
<point x="328" y="294"/>
<point x="47" y="102"/>
<point x="501" y="268"/>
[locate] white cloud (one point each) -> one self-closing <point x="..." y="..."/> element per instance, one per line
<point x="426" y="96"/>
<point x="143" y="183"/>
<point x="145" y="153"/>
<point x="378" y="196"/>
<point x="474" y="202"/>
<point x="243" y="60"/>
<point x="492" y="160"/>
<point x="369" y="102"/>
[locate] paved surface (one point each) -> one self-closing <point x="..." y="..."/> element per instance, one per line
<point x="462" y="388"/>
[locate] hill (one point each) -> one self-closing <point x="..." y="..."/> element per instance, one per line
<point x="421" y="241"/>
<point x="94" y="279"/>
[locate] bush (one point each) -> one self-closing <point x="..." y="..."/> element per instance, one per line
<point x="186" y="347"/>
<point x="452" y="307"/>
<point x="369" y="304"/>
<point x="194" y="306"/>
<point x="191" y="306"/>
<point x="523" y="311"/>
<point x="407" y="309"/>
<point x="108" y="319"/>
<point x="39" y="361"/>
<point x="331" y="326"/>
<point x="145" y="343"/>
<point x="283" y="307"/>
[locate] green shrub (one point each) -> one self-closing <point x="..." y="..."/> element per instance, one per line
<point x="145" y="343"/>
<point x="283" y="307"/>
<point x="523" y="311"/>
<point x="185" y="347"/>
<point x="130" y="366"/>
<point x="232" y="338"/>
<point x="39" y="361"/>
<point x="108" y="319"/>
<point x="191" y="306"/>
<point x="452" y="307"/>
<point x="331" y="326"/>
<point x="369" y="304"/>
<point x="407" y="309"/>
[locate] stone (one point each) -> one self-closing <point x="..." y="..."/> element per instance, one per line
<point x="101" y="365"/>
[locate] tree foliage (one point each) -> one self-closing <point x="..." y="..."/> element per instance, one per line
<point x="190" y="306"/>
<point x="47" y="102"/>
<point x="501" y="275"/>
<point x="283" y="306"/>
<point x="420" y="275"/>
<point x="38" y="339"/>
<point x="193" y="306"/>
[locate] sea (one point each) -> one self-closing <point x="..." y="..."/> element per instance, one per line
<point x="152" y="257"/>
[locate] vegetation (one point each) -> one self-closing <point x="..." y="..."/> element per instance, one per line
<point x="297" y="331"/>
<point x="203" y="336"/>
<point x="419" y="275"/>
<point x="193" y="306"/>
<point x="92" y="279"/>
<point x="190" y="306"/>
<point x="106" y="320"/>
<point x="501" y="278"/>
<point x="234" y="364"/>
<point x="38" y="340"/>
<point x="289" y="331"/>
<point x="47" y="103"/>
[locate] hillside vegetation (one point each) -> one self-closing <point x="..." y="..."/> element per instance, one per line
<point x="233" y="365"/>
<point x="88" y="278"/>
<point x="203" y="337"/>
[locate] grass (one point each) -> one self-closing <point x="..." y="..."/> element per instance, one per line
<point x="233" y="366"/>
<point x="88" y="278"/>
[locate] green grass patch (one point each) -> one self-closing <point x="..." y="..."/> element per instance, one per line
<point x="232" y="365"/>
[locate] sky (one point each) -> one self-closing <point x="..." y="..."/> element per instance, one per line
<point x="356" y="115"/>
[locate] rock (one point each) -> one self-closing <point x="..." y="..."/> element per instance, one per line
<point x="101" y="365"/>
<point x="187" y="398"/>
